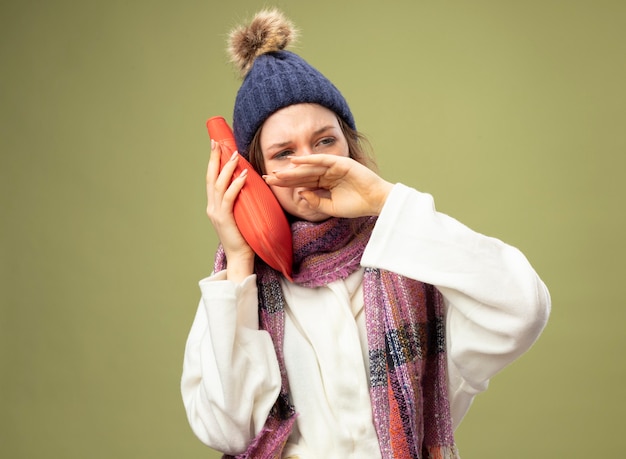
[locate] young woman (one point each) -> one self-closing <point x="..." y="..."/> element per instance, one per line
<point x="397" y="315"/>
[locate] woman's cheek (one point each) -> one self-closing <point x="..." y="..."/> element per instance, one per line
<point x="284" y="196"/>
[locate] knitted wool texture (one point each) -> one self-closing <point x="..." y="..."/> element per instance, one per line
<point x="406" y="337"/>
<point x="277" y="80"/>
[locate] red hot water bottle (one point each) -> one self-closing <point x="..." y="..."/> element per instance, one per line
<point x="258" y="214"/>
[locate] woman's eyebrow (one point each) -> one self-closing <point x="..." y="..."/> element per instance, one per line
<point x="279" y="145"/>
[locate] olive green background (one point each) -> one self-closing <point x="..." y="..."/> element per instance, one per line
<point x="512" y="114"/>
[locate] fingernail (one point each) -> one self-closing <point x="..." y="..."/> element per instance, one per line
<point x="212" y="144"/>
<point x="234" y="156"/>
<point x="243" y="173"/>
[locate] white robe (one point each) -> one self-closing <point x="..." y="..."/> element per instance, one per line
<point x="496" y="307"/>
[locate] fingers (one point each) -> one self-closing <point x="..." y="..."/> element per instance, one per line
<point x="319" y="160"/>
<point x="212" y="172"/>
<point x="220" y="175"/>
<point x="226" y="174"/>
<point x="214" y="163"/>
<point x="312" y="171"/>
<point x="234" y="188"/>
<point x="222" y="187"/>
<point x="298" y="177"/>
<point x="306" y="176"/>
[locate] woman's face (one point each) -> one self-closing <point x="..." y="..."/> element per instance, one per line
<point x="301" y="129"/>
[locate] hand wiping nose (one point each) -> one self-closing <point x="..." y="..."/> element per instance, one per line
<point x="352" y="190"/>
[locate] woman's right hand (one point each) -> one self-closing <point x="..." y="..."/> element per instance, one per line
<point x="222" y="191"/>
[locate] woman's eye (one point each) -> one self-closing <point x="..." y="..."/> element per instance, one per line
<point x="326" y="141"/>
<point x="282" y="154"/>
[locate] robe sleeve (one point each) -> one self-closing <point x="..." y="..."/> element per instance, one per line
<point x="230" y="377"/>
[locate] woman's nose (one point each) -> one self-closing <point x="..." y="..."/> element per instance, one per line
<point x="304" y="151"/>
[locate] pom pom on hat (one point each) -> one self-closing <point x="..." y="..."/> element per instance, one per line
<point x="269" y="31"/>
<point x="274" y="78"/>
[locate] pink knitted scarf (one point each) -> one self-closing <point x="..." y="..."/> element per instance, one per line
<point x="406" y="337"/>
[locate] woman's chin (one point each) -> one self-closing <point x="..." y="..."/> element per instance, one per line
<point x="309" y="215"/>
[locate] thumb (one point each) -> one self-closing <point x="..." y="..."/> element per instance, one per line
<point x="314" y="200"/>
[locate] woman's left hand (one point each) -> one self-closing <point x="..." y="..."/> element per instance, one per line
<point x="335" y="185"/>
